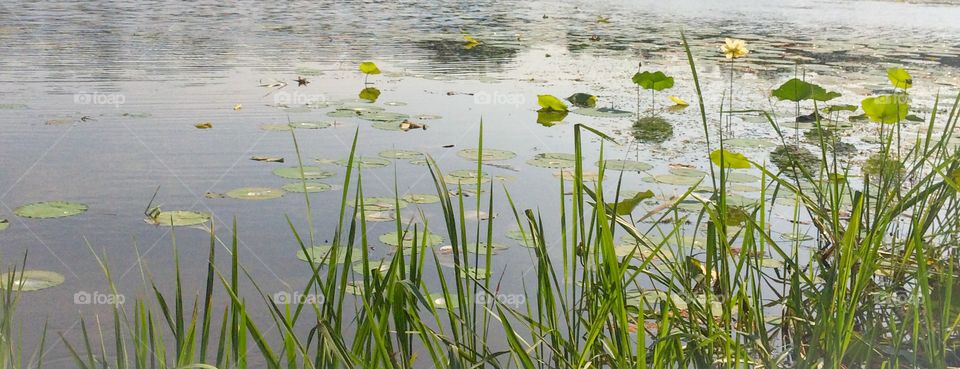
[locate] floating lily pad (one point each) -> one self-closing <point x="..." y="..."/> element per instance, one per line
<point x="476" y="273"/>
<point x="390" y="125"/>
<point x="31" y="280"/>
<point x="381" y="266"/>
<point x="570" y="175"/>
<point x="652" y="130"/>
<point x="381" y="203"/>
<point x="688" y="172"/>
<point x="382" y="116"/>
<point x="440" y="301"/>
<point x="323" y="254"/>
<point x="525" y="239"/>
<point x="466" y="177"/>
<point x="377" y="215"/>
<point x="307" y="173"/>
<point x="672" y="179"/>
<point x="488" y="154"/>
<point x="626" y="165"/>
<point x="603" y="112"/>
<point x="392" y="239"/>
<point x="417" y="198"/>
<point x="364" y="162"/>
<point x="310" y="125"/>
<point x="50" y="209"/>
<point x="401" y="154"/>
<point x="553" y="160"/>
<point x="254" y="193"/>
<point x="275" y="127"/>
<point x="742" y="178"/>
<point x="756" y="143"/>
<point x="310" y="187"/>
<point x="180" y="218"/>
<point x="4" y="224"/>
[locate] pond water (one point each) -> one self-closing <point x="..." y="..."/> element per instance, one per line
<point x="99" y="102"/>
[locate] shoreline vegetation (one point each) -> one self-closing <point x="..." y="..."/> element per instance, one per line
<point x="877" y="289"/>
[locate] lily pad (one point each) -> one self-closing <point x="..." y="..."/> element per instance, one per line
<point x="626" y="165"/>
<point x="4" y="224"/>
<point x="672" y="179"/>
<point x="382" y="116"/>
<point x="382" y="204"/>
<point x="603" y="112"/>
<point x="752" y="143"/>
<point x="255" y="193"/>
<point x="308" y="172"/>
<point x="323" y="254"/>
<point x="570" y="175"/>
<point x="50" y="209"/>
<point x="465" y="177"/>
<point x="488" y="154"/>
<point x="417" y="198"/>
<point x="553" y="160"/>
<point x="401" y="154"/>
<point x="180" y="218"/>
<point x="441" y="301"/>
<point x="887" y="108"/>
<point x="310" y="187"/>
<point x="583" y="100"/>
<point x="392" y="239"/>
<point x="729" y="159"/>
<point x="688" y="172"/>
<point x="656" y="81"/>
<point x="390" y="125"/>
<point x="550" y="103"/>
<point x="31" y="280"/>
<point x="310" y="125"/>
<point x="652" y="130"/>
<point x="525" y="238"/>
<point x="364" y="162"/>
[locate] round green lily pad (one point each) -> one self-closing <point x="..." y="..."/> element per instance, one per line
<point x="488" y="154"/>
<point x="417" y="198"/>
<point x="569" y="175"/>
<point x="672" y="179"/>
<point x="687" y="172"/>
<point x="476" y="273"/>
<point x="525" y="239"/>
<point x="603" y="112"/>
<point x="310" y="125"/>
<point x="377" y="215"/>
<point x="50" y="209"/>
<point x="481" y="248"/>
<point x="181" y="218"/>
<point x="401" y="154"/>
<point x="382" y="116"/>
<point x="324" y="254"/>
<point x="626" y="165"/>
<point x="409" y="241"/>
<point x="381" y="204"/>
<point x="440" y="301"/>
<point x="254" y="193"/>
<point x="390" y="125"/>
<point x="310" y="187"/>
<point x="275" y="127"/>
<point x="465" y="176"/>
<point x="749" y="143"/>
<point x="364" y="162"/>
<point x="553" y="160"/>
<point x="308" y="172"/>
<point x="31" y="280"/>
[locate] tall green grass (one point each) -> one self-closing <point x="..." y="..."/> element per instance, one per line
<point x="876" y="289"/>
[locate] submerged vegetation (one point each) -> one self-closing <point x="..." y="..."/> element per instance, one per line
<point x="699" y="281"/>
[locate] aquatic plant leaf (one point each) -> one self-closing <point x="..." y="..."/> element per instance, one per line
<point x="180" y="218"/>
<point x="364" y="162"/>
<point x="583" y="100"/>
<point x="440" y="301"/>
<point x="730" y="159"/>
<point x="553" y="160"/>
<point x="31" y="280"/>
<point x="308" y="172"/>
<point x="886" y="108"/>
<point x="431" y="239"/>
<point x="678" y="101"/>
<point x="797" y="90"/>
<point x="899" y="78"/>
<point x="603" y="112"/>
<point x="370" y="94"/>
<point x="309" y="125"/>
<point x="50" y="209"/>
<point x="310" y="187"/>
<point x="749" y="143"/>
<point x="656" y="81"/>
<point x="626" y="206"/>
<point x="549" y="118"/>
<point x="401" y="154"/>
<point x="323" y="254"/>
<point x="369" y="68"/>
<point x="203" y="125"/>
<point x="488" y="154"/>
<point x="269" y="159"/>
<point x="626" y="165"/>
<point x="254" y="193"/>
<point x="551" y="103"/>
<point x="842" y="107"/>
<point x="418" y="198"/>
<point x="4" y="224"/>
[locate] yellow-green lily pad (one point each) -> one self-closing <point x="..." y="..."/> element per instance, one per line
<point x="50" y="209"/>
